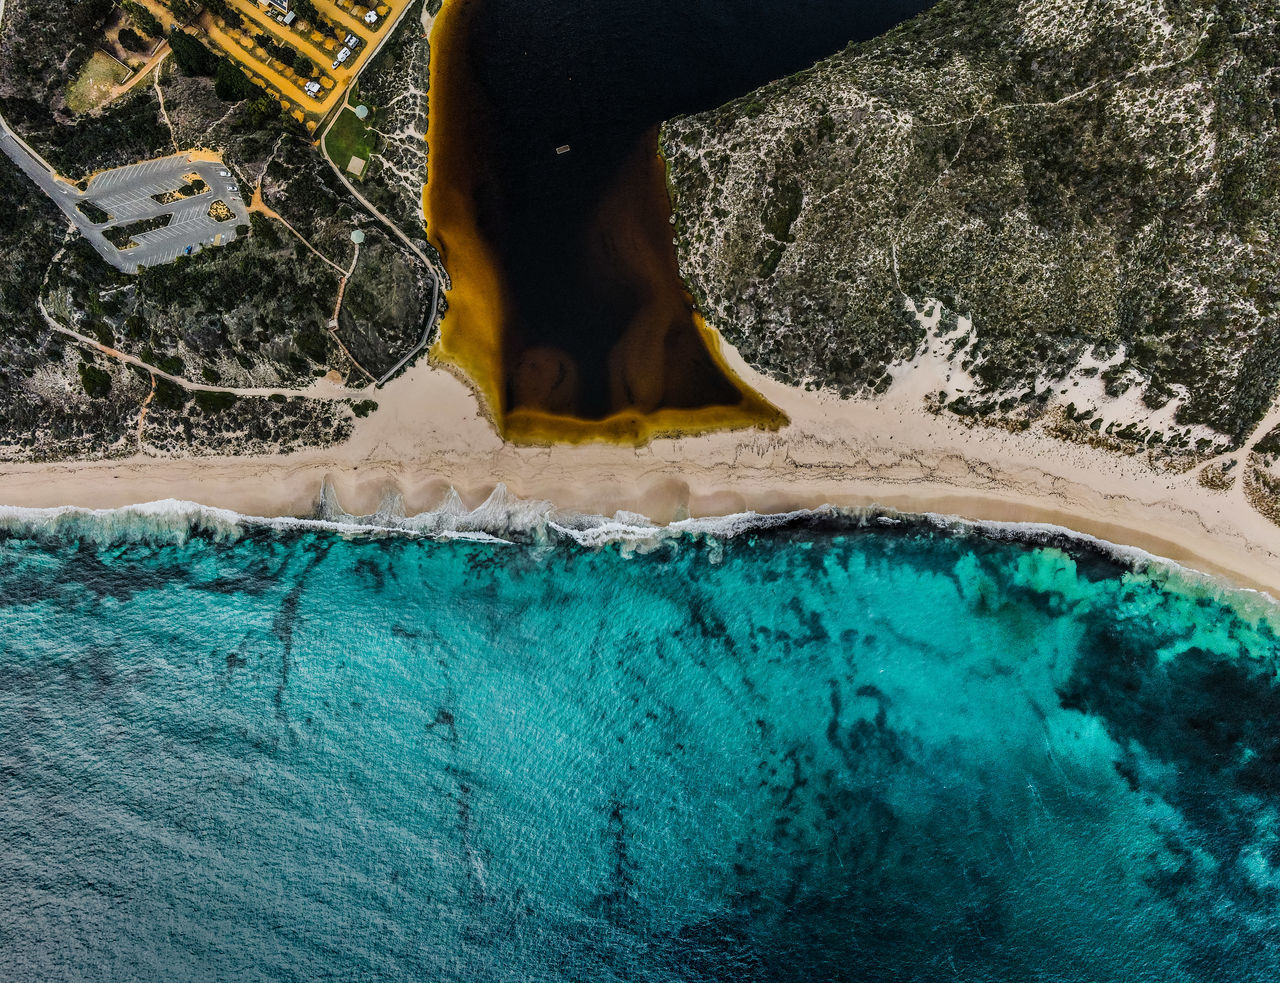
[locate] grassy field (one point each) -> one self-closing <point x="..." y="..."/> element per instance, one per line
<point x="350" y="137"/>
<point x="93" y="85"/>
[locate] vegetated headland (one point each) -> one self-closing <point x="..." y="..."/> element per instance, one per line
<point x="548" y="201"/>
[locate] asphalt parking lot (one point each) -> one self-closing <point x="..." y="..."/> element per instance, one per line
<point x="125" y="194"/>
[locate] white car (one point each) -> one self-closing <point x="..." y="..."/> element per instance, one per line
<point x="224" y="173"/>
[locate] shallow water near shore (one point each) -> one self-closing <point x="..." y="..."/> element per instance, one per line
<point x="805" y="753"/>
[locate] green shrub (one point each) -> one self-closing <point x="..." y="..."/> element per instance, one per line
<point x="96" y="381"/>
<point x="169" y="396"/>
<point x="214" y="402"/>
<point x="192" y="56"/>
<point x="313" y="343"/>
<point x="132" y="40"/>
<point x="231" y="84"/>
<point x="143" y="18"/>
<point x="93" y="213"/>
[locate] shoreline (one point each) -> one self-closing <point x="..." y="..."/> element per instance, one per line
<point x="504" y="521"/>
<point x="431" y="434"/>
<point x="524" y="381"/>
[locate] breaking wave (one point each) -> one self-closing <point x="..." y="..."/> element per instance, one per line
<point x="505" y="519"/>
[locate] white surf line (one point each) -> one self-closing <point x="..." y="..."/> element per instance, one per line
<point x="503" y="518"/>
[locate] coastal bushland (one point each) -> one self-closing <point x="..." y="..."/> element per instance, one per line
<point x="1091" y="190"/>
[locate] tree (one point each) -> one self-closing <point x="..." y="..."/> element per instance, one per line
<point x="143" y="18"/>
<point x="220" y="8"/>
<point x="262" y="113"/>
<point x="231" y="84"/>
<point x="193" y="58"/>
<point x="182" y="9"/>
<point x="132" y="40"/>
<point x="88" y="17"/>
<point x="96" y="382"/>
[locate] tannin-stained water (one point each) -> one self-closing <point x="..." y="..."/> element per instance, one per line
<point x="567" y="307"/>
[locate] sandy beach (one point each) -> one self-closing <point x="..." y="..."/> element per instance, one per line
<point x="431" y="434"/>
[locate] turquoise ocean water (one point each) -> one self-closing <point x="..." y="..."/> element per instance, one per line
<point x="808" y="753"/>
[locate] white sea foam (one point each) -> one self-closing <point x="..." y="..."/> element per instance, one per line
<point x="505" y="519"/>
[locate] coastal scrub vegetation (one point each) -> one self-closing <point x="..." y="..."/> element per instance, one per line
<point x="43" y="49"/>
<point x="395" y="83"/>
<point x="1088" y="193"/>
<point x="236" y="310"/>
<point x="252" y="314"/>
<point x="48" y="408"/>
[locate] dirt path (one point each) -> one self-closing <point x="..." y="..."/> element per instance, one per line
<point x="144" y="408"/>
<point x="257" y="204"/>
<point x="337" y="393"/>
<point x="126" y="86"/>
<point x="173" y="134"/>
<point x="337" y="309"/>
<point x="395" y="229"/>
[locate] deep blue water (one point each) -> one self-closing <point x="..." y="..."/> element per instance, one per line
<point x="801" y="755"/>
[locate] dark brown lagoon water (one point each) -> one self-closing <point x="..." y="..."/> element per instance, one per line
<point x="567" y="306"/>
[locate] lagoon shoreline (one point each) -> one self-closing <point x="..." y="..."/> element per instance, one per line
<point x="431" y="434"/>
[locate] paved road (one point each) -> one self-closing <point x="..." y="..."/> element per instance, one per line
<point x="125" y="193"/>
